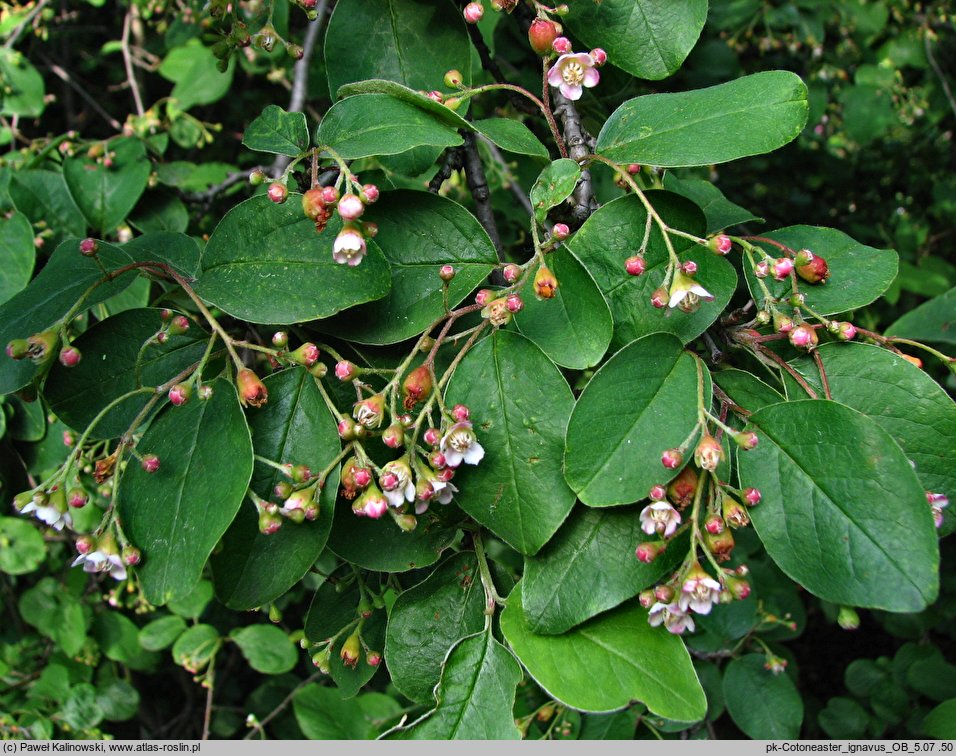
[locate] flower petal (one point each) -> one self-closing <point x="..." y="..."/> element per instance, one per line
<point x="591" y="77"/>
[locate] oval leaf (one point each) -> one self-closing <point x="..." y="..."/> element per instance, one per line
<point x="44" y="196"/>
<point x="764" y="705"/>
<point x="632" y="660"/>
<point x="323" y="714"/>
<point x="934" y="320"/>
<point x="620" y="426"/>
<point x="295" y="427"/>
<point x="17" y="252"/>
<point x="749" y="116"/>
<point x="427" y="620"/>
<point x="177" y="514"/>
<point x="266" y="264"/>
<point x="267" y="649"/>
<point x="521" y="406"/>
<point x="277" y="132"/>
<point x="554" y="186"/>
<point x="412" y="96"/>
<point x="511" y="136"/>
<point x="843" y="513"/>
<point x="647" y="38"/>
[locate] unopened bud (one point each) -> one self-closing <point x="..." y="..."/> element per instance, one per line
<point x="473" y="12"/>
<point x="446" y="273"/>
<point x="660" y="298"/>
<point x="560" y="231"/>
<point x="453" y="78"/>
<point x="307" y="354"/>
<point x="648" y="552"/>
<point x="257" y="176"/>
<point x="672" y="459"/>
<point x="150" y="463"/>
<point x="561" y="45"/>
<point x="345" y="370"/>
<point x="394" y="436"/>
<point x="350" y="207"/>
<point x="541" y="35"/>
<point x="252" y="391"/>
<point x="77" y="498"/>
<point x="277" y="192"/>
<point x="848" y="618"/>
<point x="814" y="272"/>
<point x="131" y="556"/>
<point x="747" y="440"/>
<point x="803" y="337"/>
<point x="514" y="303"/>
<point x="70" y="356"/>
<point x="180" y="393"/>
<point x="635" y="265"/>
<point x="417" y="386"/>
<point x="89" y="247"/>
<point x="752" y="496"/>
<point x="280" y="339"/>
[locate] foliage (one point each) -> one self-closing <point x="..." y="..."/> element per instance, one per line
<point x="506" y="372"/>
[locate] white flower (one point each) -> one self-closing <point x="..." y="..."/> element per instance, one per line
<point x="699" y="592"/>
<point x="572" y="72"/>
<point x="675" y="619"/>
<point x="396" y="482"/>
<point x="937" y="502"/>
<point x="349" y="247"/>
<point x="461" y="444"/>
<point x="99" y="561"/>
<point x="49" y="514"/>
<point x="684" y="290"/>
<point x="446" y="493"/>
<point x="659" y="517"/>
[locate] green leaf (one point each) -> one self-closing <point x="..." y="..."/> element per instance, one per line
<point x="843" y="718"/>
<point x="17" y="252"/>
<point x="720" y="212"/>
<point x="427" y="620"/>
<point x="748" y="116"/>
<point x="192" y="68"/>
<point x="941" y="722"/>
<point x="418" y="232"/>
<point x="620" y="426"/>
<point x="23" y="89"/>
<point x="56" y="614"/>
<point x="745" y="389"/>
<point x="195" y="648"/>
<point x="106" y="195"/>
<point x="115" y="352"/>
<point x="858" y="274"/>
<point x="323" y="714"/>
<point x="615" y="232"/>
<point x="414" y="41"/>
<point x="118" y="700"/>
<point x="931" y="321"/>
<point x="23" y="548"/>
<point x="412" y="96"/>
<point x="764" y="705"/>
<point x="475" y="697"/>
<point x="843" y="513"/>
<point x="618" y="726"/>
<point x="375" y="124"/>
<point x="44" y="196"/>
<point x="277" y="132"/>
<point x="177" y="250"/>
<point x="161" y="633"/>
<point x="521" y="406"/>
<point x="574" y="327"/>
<point x="647" y="38"/>
<point x="265" y="263"/>
<point x="631" y="659"/>
<point x="193" y="604"/>
<point x="902" y="399"/>
<point x="253" y="569"/>
<point x="177" y="515"/>
<point x="267" y="649"/>
<point x="118" y="639"/>
<point x="160" y="211"/>
<point x="50" y="296"/>
<point x="80" y="711"/>
<point x="568" y="581"/>
<point x="554" y="186"/>
<point x="512" y="136"/>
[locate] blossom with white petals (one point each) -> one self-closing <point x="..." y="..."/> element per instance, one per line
<point x="675" y="619"/>
<point x="49" y="514"/>
<point x="460" y="444"/>
<point x="686" y="293"/>
<point x="659" y="517"/>
<point x="572" y="72"/>
<point x="371" y="503"/>
<point x="937" y="502"/>
<point x="699" y="592"/>
<point x="349" y="247"/>
<point x="101" y="561"/>
<point x="396" y="482"/>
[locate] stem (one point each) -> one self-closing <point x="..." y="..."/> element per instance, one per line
<point x="128" y="63"/>
<point x="789" y="368"/>
<point x="823" y="374"/>
<point x="546" y="109"/>
<point x="210" y="687"/>
<point x="491" y="594"/>
<point x="260" y="726"/>
<point x="15" y="36"/>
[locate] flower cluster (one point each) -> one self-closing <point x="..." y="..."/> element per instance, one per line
<point x="318" y="205"/>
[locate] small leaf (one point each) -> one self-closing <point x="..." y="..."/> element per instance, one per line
<point x="44" y="196"/>
<point x="631" y="659"/>
<point x="196" y="647"/>
<point x="520" y="403"/>
<point x="265" y="263"/>
<point x="554" y="186"/>
<point x="118" y="700"/>
<point x="635" y="421"/>
<point x="427" y="620"/>
<point x="23" y="88"/>
<point x="23" y="547"/>
<point x="177" y="514"/>
<point x="17" y="252"/>
<point x="475" y="697"/>
<point x="940" y="723"/>
<point x="277" y="132"/>
<point x="375" y="124"/>
<point x="511" y="136"/>
<point x="267" y="649"/>
<point x="931" y="321"/>
<point x="843" y="513"/>
<point x="118" y="639"/>
<point x="748" y="116"/>
<point x="412" y="96"/>
<point x="192" y="68"/>
<point x="764" y="705"/>
<point x="80" y="711"/>
<point x="323" y="714"/>
<point x="161" y="633"/>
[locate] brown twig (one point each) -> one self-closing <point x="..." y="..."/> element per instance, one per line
<point x="478" y="184"/>
<point x="128" y="62"/>
<point x="789" y="368"/>
<point x="823" y="374"/>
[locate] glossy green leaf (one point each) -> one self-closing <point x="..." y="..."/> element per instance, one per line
<point x="17" y="252"/>
<point x="631" y="659"/>
<point x="265" y="263"/>
<point x="554" y="186"/>
<point x="415" y="42"/>
<point x="406" y="94"/>
<point x="23" y="89"/>
<point x="160" y="211"/>
<point x="902" y="399"/>
<point x="618" y="726"/>
<point x="44" y="196"/>
<point x="621" y="425"/>
<point x="747" y="116"/>
<point x="50" y="296"/>
<point x="192" y="68"/>
<point x="934" y="320"/>
<point x="418" y="232"/>
<point x="323" y="714"/>
<point x="511" y="136"/>
<point x="267" y="649"/>
<point x="574" y="327"/>
<point x="615" y="232"/>
<point x="647" y="38"/>
<point x="427" y="620"/>
<point x="858" y="274"/>
<point x="119" y="355"/>
<point x="104" y="194"/>
<point x="475" y="696"/>
<point x="175" y="249"/>
<point x="720" y="212"/>
<point x="193" y="604"/>
<point x="23" y="547"/>
<point x="295" y="427"/>
<point x="568" y="581"/>
<point x="941" y="722"/>
<point x="161" y="633"/>
<point x="277" y="132"/>
<point x="766" y="706"/>
<point x="177" y="514"/>
<point x="376" y="124"/>
<point x="521" y="404"/>
<point x="855" y="532"/>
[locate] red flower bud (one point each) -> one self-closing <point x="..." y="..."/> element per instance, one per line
<point x="658" y="493"/>
<point x="330" y="194"/>
<point x="714" y="524"/>
<point x="600" y="57"/>
<point x="180" y="393"/>
<point x="369" y="193"/>
<point x="561" y="45"/>
<point x="663" y="593"/>
<point x="432" y="436"/>
<point x="374" y="658"/>
<point x="89" y="247"/>
<point x="660" y="298"/>
<point x="720" y="244"/>
<point x="672" y="459"/>
<point x="846" y="331"/>
<point x="280" y="339"/>
<point x="18" y="349"/>
<point x="541" y="35"/>
<point x="362" y="477"/>
<point x="346" y="429"/>
<point x="77" y="498"/>
<point x="307" y="354"/>
<point x="648" y="552"/>
<point x="252" y="391"/>
<point x="647" y="598"/>
<point x="460" y="412"/>
<point x="747" y="441"/>
<point x="752" y="496"/>
<point x="394" y="436"/>
<point x="803" y="337"/>
<point x="350" y="207"/>
<point x="150" y="463"/>
<point x="85" y="544"/>
<point x="560" y="231"/>
<point x="689" y="268"/>
<point x="636" y="265"/>
<point x="514" y="303"/>
<point x="416" y="386"/>
<point x="345" y="370"/>
<point x="511" y="272"/>
<point x="814" y="272"/>
<point x="473" y="12"/>
<point x="277" y="192"/>
<point x="483" y="297"/>
<point x="269" y="523"/>
<point x="762" y="269"/>
<point x="70" y="356"/>
<point x="782" y="268"/>
<point x="131" y="556"/>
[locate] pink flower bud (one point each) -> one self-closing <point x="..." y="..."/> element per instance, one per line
<point x="560" y="231"/>
<point x="85" y="544"/>
<point x="689" y="268"/>
<point x="179" y="394"/>
<point x="664" y="593"/>
<point x="374" y="658"/>
<point x="307" y="354"/>
<point x="747" y="441"/>
<point x="752" y="496"/>
<point x="846" y="331"/>
<point x="460" y="412"/>
<point x="714" y="524"/>
<point x="89" y="247"/>
<point x="277" y="192"/>
<point x="205" y="392"/>
<point x="511" y="272"/>
<point x="648" y="552"/>
<point x="483" y="297"/>
<point x="432" y="436"/>
<point x="514" y="303"/>
<point x="721" y="244"/>
<point x="269" y="523"/>
<point x="362" y="477"/>
<point x="762" y="269"/>
<point x="446" y="272"/>
<point x="330" y="195"/>
<point x="389" y="481"/>
<point x="636" y="265"/>
<point x="345" y="370"/>
<point x="18" y="349"/>
<point x="600" y="57"/>
<point x="131" y="556"/>
<point x="437" y="460"/>
<point x="632" y="168"/>
<point x="782" y="268"/>
<point x="646" y="598"/>
<point x="658" y="493"/>
<point x="280" y="339"/>
<point x="350" y="207"/>
<point x="803" y="337"/>
<point x="473" y="12"/>
<point x="70" y="356"/>
<point x="561" y="45"/>
<point x="782" y="324"/>
<point x="541" y="35"/>
<point x="369" y="193"/>
<point x="150" y="463"/>
<point x="394" y="436"/>
<point x="672" y="459"/>
<point x="68" y="438"/>
<point x="77" y="498"/>
<point x="660" y="298"/>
